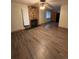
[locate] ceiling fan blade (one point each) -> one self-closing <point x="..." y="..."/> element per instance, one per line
<point x="43" y="3"/>
<point x="49" y="5"/>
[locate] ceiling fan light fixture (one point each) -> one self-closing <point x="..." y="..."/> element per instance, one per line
<point x="42" y="7"/>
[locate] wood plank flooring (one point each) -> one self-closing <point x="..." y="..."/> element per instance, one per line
<point x="44" y="42"/>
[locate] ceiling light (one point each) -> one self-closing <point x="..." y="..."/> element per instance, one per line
<point x="42" y="7"/>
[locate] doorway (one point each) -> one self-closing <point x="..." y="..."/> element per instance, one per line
<point x="56" y="14"/>
<point x="57" y="17"/>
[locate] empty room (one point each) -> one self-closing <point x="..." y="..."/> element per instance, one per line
<point x="39" y="29"/>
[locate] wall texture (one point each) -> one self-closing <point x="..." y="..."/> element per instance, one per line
<point x="64" y="16"/>
<point x="16" y="16"/>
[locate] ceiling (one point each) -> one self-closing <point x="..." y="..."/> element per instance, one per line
<point x="31" y="2"/>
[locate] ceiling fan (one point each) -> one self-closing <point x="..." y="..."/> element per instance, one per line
<point x="43" y="4"/>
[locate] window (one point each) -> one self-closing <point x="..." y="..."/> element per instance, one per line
<point x="48" y="14"/>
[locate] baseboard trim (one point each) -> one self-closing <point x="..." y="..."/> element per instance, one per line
<point x="18" y="30"/>
<point x="63" y="27"/>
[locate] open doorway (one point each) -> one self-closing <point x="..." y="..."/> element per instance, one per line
<point x="56" y="14"/>
<point x="57" y="17"/>
<point x="53" y="15"/>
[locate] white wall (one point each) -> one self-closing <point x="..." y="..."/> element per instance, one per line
<point x="16" y="16"/>
<point x="42" y="18"/>
<point x="63" y="22"/>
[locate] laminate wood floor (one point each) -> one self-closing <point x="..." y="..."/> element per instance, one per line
<point x="43" y="42"/>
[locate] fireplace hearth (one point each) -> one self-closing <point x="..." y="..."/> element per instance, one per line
<point x="34" y="23"/>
